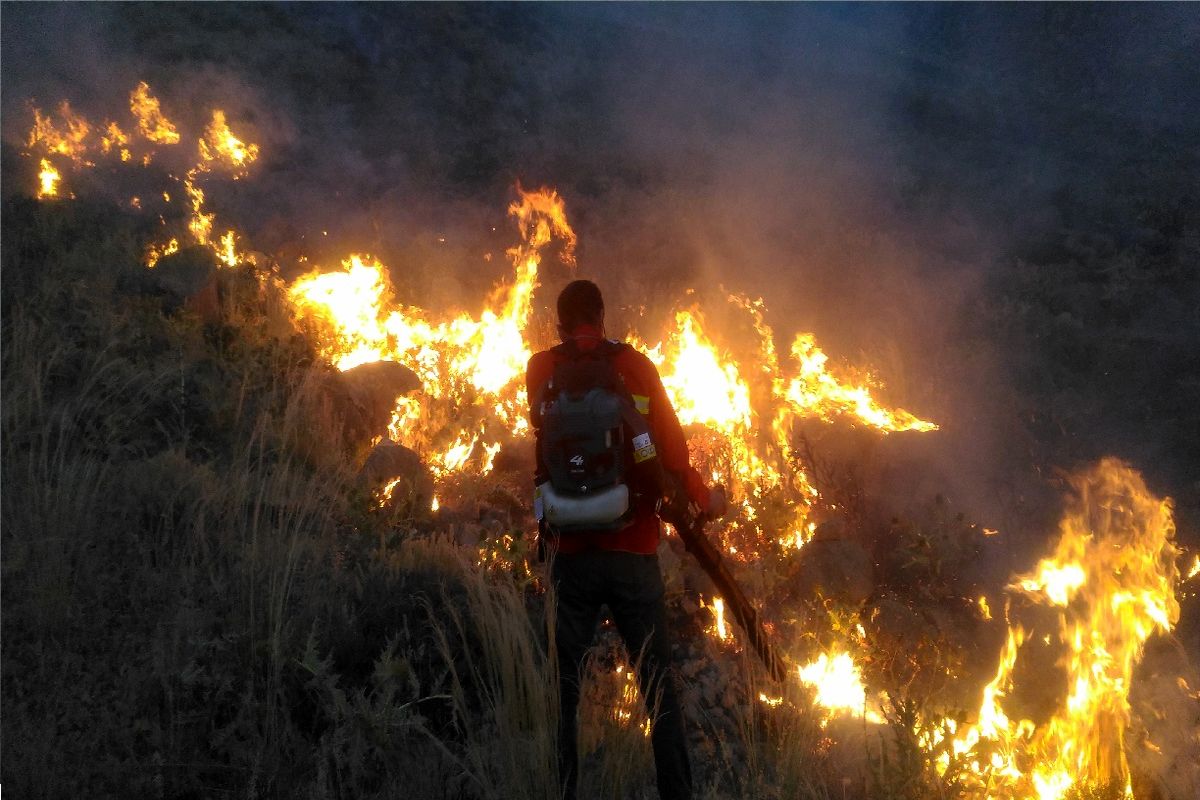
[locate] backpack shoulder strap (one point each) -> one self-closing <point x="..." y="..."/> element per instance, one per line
<point x="579" y="370"/>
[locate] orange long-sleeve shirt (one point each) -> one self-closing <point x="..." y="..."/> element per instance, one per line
<point x="643" y="382"/>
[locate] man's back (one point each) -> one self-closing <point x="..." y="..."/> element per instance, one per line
<point x="645" y="387"/>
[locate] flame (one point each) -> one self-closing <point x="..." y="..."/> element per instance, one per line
<point x="72" y="137"/>
<point x="351" y="302"/>
<point x="1112" y="578"/>
<point x="220" y="145"/>
<point x="720" y="628"/>
<point x="156" y="252"/>
<point x="152" y="124"/>
<point x="201" y="223"/>
<point x="746" y="407"/>
<point x="48" y="181"/>
<point x="815" y="392"/>
<point x="70" y="140"/>
<point x="800" y="536"/>
<point x="228" y="250"/>
<point x="472" y="364"/>
<point x="385" y="491"/>
<point x="1059" y="582"/>
<point x="627" y="706"/>
<point x="704" y="387"/>
<point x="838" y="686"/>
<point x="114" y="139"/>
<point x="466" y="361"/>
<point x="984" y="608"/>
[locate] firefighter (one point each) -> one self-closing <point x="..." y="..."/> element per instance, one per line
<point x="609" y="446"/>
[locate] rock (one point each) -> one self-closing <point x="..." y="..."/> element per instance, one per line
<point x="838" y="569"/>
<point x="366" y="397"/>
<point x="390" y="461"/>
<point x="376" y="386"/>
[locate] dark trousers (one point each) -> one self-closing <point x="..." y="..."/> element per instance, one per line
<point x="631" y="586"/>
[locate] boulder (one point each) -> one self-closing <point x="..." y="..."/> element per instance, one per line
<point x="366" y="395"/>
<point x="376" y="386"/>
<point x="389" y="461"/>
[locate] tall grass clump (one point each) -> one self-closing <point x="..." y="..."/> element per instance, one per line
<point x="500" y="685"/>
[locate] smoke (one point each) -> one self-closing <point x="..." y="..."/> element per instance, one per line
<point x="876" y="173"/>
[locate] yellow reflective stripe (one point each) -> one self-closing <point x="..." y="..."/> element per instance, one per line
<point x="642" y="402"/>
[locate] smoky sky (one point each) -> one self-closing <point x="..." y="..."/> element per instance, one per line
<point x="872" y="171"/>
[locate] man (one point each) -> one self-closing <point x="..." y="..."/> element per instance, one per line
<point x="610" y="557"/>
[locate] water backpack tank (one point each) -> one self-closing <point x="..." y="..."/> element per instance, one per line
<point x="595" y="445"/>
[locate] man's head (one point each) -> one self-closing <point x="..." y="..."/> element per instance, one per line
<point x="580" y="303"/>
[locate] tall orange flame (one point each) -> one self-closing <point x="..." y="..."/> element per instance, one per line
<point x="152" y="123"/>
<point x="219" y="144"/>
<point x="70" y="140"/>
<point x="1113" y="579"/>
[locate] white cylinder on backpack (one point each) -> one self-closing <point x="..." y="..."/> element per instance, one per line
<point x="597" y="508"/>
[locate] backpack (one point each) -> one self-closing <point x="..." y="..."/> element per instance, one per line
<point x="595" y="445"/>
